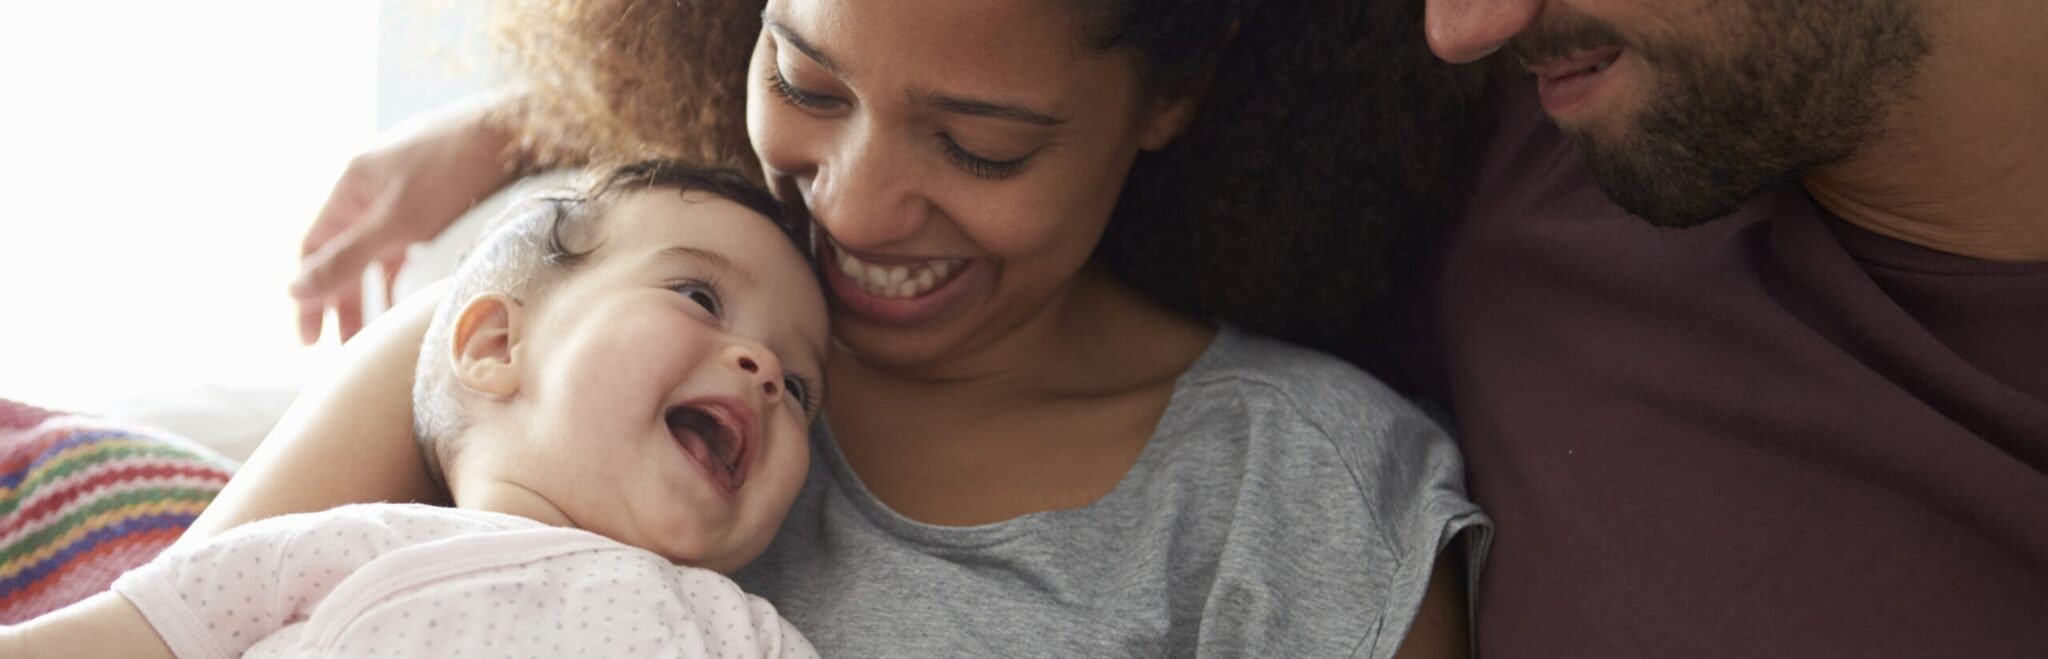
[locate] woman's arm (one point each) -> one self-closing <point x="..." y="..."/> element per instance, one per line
<point x="1439" y="631"/>
<point x="347" y="439"/>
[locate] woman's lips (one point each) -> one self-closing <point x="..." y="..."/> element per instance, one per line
<point x="894" y="290"/>
<point x="897" y="280"/>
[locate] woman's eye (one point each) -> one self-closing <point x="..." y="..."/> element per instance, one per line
<point x="798" y="97"/>
<point x="705" y="294"/>
<point x="979" y="166"/>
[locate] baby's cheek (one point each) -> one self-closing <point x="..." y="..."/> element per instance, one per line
<point x="785" y="465"/>
<point x="686" y="539"/>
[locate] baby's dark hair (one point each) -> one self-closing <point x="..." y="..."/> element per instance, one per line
<point x="536" y="245"/>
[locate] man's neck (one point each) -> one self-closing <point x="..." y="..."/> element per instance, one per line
<point x="1962" y="166"/>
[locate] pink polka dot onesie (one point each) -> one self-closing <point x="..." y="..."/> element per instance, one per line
<point x="407" y="580"/>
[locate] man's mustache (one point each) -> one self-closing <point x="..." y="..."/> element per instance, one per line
<point x="1563" y="36"/>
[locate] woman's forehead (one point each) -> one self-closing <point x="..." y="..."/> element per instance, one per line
<point x="1014" y="48"/>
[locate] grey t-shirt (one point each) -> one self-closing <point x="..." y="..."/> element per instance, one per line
<point x="1287" y="505"/>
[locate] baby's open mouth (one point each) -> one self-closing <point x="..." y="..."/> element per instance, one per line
<point x="714" y="435"/>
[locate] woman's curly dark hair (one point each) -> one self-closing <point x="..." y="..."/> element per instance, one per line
<point x="1328" y="145"/>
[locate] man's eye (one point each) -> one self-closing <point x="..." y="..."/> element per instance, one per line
<point x="705" y="294"/>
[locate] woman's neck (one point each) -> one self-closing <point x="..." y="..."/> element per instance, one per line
<point x="1049" y="417"/>
<point x="1098" y="336"/>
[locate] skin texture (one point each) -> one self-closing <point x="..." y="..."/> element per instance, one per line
<point x="951" y="420"/>
<point x="863" y="159"/>
<point x="573" y="389"/>
<point x="1913" y="119"/>
<point x="106" y="623"/>
<point x="1034" y="389"/>
<point x="1711" y="112"/>
<point x="1285" y="105"/>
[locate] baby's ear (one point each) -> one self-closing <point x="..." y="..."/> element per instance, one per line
<point x="483" y="347"/>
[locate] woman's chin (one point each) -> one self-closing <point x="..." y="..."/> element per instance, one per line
<point x="893" y="348"/>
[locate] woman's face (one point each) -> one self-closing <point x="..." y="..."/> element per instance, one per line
<point x="959" y="158"/>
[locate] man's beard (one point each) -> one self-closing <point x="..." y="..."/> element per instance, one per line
<point x="1791" y="85"/>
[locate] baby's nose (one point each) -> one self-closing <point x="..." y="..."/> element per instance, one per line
<point x="760" y="366"/>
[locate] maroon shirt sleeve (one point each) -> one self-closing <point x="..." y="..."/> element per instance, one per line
<point x="1771" y="435"/>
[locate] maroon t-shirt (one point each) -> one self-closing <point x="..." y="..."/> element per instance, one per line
<point x="1771" y="435"/>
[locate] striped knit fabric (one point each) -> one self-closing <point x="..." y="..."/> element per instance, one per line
<point x="83" y="500"/>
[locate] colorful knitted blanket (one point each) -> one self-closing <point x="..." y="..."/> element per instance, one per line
<point x="83" y="500"/>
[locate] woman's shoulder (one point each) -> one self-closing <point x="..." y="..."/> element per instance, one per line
<point x="1345" y="492"/>
<point x="1310" y="422"/>
<point x="1274" y="381"/>
<point x="1313" y="424"/>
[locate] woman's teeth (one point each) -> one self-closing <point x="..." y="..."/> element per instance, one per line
<point x="897" y="281"/>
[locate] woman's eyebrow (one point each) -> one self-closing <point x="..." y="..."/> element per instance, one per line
<point x="984" y="108"/>
<point x="801" y="45"/>
<point x="944" y="103"/>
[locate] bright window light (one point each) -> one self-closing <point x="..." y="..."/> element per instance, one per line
<point x="158" y="164"/>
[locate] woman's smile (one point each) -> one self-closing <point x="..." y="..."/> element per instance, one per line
<point x="896" y="290"/>
<point x="898" y="278"/>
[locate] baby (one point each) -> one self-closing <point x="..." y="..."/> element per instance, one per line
<point x="617" y="385"/>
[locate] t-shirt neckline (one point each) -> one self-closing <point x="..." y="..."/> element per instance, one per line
<point x="1875" y="249"/>
<point x="846" y="485"/>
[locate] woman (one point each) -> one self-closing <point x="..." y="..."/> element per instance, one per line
<point x="1026" y="210"/>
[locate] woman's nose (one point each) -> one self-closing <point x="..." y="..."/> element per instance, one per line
<point x="866" y="194"/>
<point x="759" y="366"/>
<point x="1461" y="31"/>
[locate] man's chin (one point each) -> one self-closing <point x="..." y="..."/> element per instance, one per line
<point x="1664" y="186"/>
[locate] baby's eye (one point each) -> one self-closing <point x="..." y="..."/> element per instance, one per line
<point x="705" y="294"/>
<point x="799" y="390"/>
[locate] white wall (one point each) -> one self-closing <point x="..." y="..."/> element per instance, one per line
<point x="159" y="163"/>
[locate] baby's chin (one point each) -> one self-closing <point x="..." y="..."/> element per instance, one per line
<point x="724" y="555"/>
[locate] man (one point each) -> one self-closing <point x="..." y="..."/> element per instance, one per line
<point x="1747" y="340"/>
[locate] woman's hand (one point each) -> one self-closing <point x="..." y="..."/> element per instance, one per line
<point x="422" y="176"/>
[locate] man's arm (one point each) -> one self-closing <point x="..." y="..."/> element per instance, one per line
<point x="104" y="625"/>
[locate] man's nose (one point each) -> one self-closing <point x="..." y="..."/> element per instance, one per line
<point x="1461" y="31"/>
